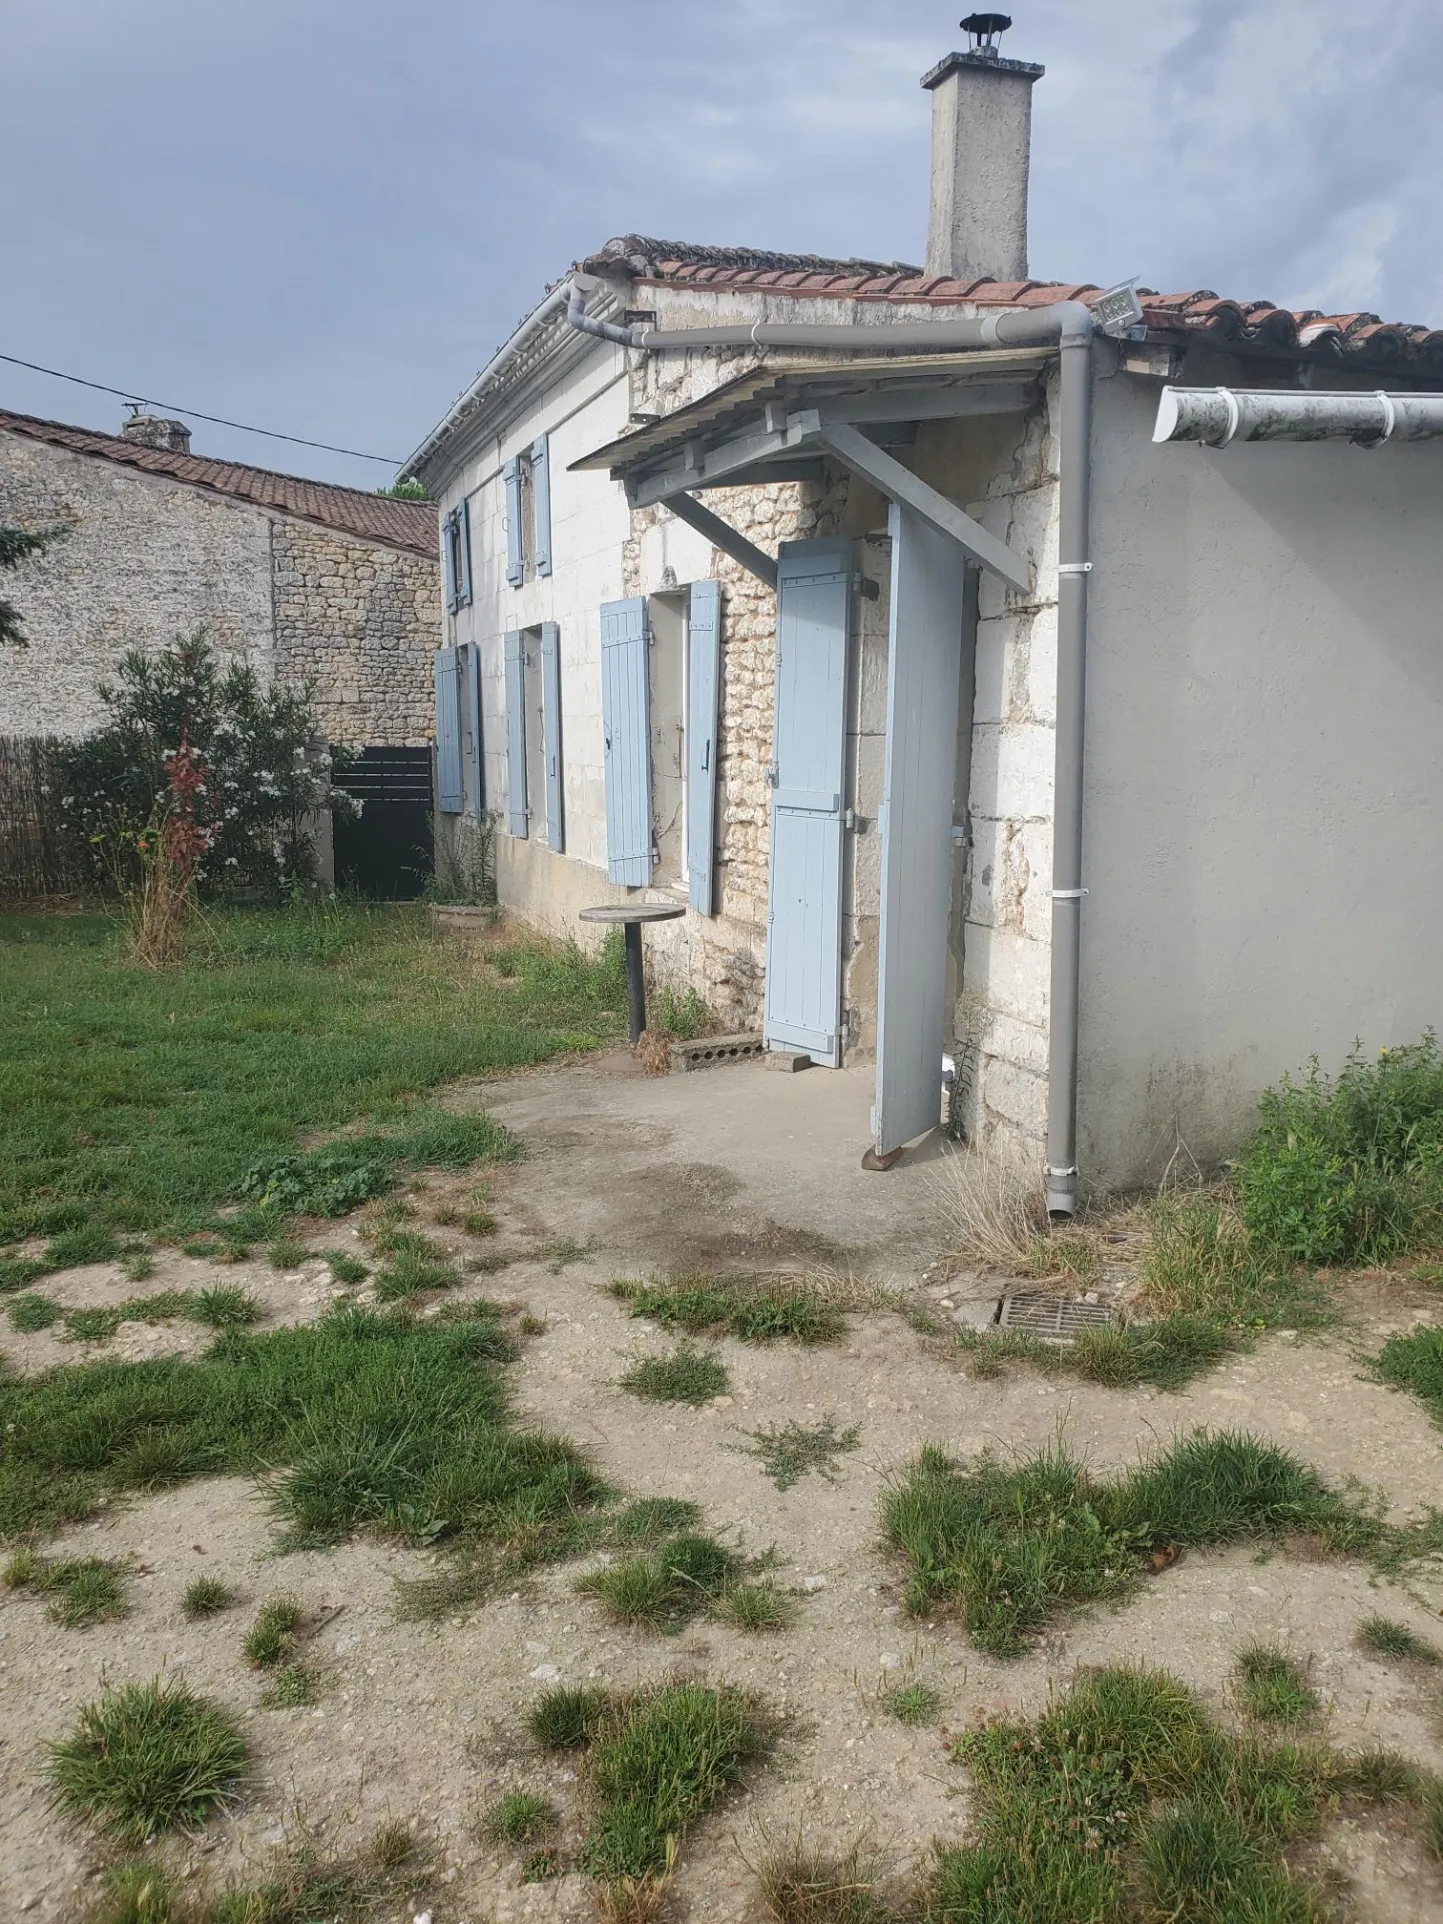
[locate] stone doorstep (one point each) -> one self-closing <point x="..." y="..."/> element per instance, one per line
<point x="708" y="1050"/>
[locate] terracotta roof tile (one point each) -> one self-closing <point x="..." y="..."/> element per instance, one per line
<point x="371" y="517"/>
<point x="1358" y="339"/>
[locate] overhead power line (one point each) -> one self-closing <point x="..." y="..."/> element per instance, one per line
<point x="218" y="420"/>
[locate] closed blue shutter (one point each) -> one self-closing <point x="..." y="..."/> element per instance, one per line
<point x="450" y="795"/>
<point x="541" y="503"/>
<point x="809" y="751"/>
<point x="448" y="558"/>
<point x="551" y="733"/>
<point x="515" y="558"/>
<point x="626" y="729"/>
<point x="478" y="759"/>
<point x="463" y="553"/>
<point x="516" y="810"/>
<point x="703" y="687"/>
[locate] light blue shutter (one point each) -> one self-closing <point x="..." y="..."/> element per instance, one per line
<point x="626" y="728"/>
<point x="450" y="795"/>
<point x="541" y="503"/>
<point x="448" y="558"/>
<point x="804" y="915"/>
<point x="703" y="687"/>
<point x="924" y="657"/>
<point x="551" y="733"/>
<point x="516" y="731"/>
<point x="515" y="555"/>
<point x="478" y="760"/>
<point x="463" y="550"/>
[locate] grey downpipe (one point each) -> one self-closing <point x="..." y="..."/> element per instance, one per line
<point x="1069" y="325"/>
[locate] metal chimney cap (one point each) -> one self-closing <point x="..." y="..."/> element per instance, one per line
<point x="985" y="28"/>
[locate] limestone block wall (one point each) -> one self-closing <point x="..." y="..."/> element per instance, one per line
<point x="147" y="560"/>
<point x="359" y="621"/>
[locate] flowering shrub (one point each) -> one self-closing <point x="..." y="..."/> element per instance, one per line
<point x="251" y="772"/>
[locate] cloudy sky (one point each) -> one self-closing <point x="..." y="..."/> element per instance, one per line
<point x="322" y="215"/>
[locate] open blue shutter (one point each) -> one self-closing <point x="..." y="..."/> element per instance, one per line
<point x="541" y="503"/>
<point x="450" y="795"/>
<point x="516" y="732"/>
<point x="478" y="759"/>
<point x="551" y="733"/>
<point x="463" y="552"/>
<point x="626" y="729"/>
<point x="448" y="558"/>
<point x="703" y="687"/>
<point x="515" y="561"/>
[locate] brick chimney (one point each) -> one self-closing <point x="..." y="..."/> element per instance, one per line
<point x="981" y="141"/>
<point x="154" y="431"/>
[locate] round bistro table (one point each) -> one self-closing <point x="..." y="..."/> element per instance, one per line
<point x="630" y="916"/>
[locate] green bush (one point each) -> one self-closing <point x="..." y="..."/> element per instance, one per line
<point x="1349" y="1168"/>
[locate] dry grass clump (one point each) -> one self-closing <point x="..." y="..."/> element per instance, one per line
<point x="993" y="1218"/>
<point x="803" y="1883"/>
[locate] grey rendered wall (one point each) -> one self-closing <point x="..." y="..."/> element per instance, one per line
<point x="1264" y="715"/>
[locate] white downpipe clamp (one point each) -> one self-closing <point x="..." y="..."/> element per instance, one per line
<point x="1390" y="417"/>
<point x="1069" y="895"/>
<point x="1070" y="1171"/>
<point x="1230" y="402"/>
<point x="1074" y="567"/>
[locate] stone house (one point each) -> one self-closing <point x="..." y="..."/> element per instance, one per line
<point x="307" y="581"/>
<point x="874" y="613"/>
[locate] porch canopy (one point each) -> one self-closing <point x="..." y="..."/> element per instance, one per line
<point x="788" y="421"/>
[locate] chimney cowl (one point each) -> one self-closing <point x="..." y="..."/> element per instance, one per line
<point x="154" y="431"/>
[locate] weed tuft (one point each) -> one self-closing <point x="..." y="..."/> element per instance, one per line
<point x="146" y="1759"/>
<point x="520" y="1817"/>
<point x="664" y="1588"/>
<point x="789" y="1451"/>
<point x="286" y="1252"/>
<point x="1415" y="1363"/>
<point x="83" y="1590"/>
<point x="914" y="1703"/>
<point x="1273" y="1687"/>
<point x="755" y="1606"/>
<point x="688" y="1375"/>
<point x="292" y="1687"/>
<point x="756" y="1309"/>
<point x="226" y="1306"/>
<point x="271" y="1639"/>
<point x="1386" y="1637"/>
<point x="347" y="1270"/>
<point x="801" y="1884"/>
<point x="33" y="1312"/>
<point x="566" y="1718"/>
<point x="393" y="1844"/>
<point x="415" y="1264"/>
<point x="1203" y="1262"/>
<point x="206" y="1597"/>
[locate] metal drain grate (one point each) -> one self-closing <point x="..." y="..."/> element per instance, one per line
<point x="708" y="1050"/>
<point x="1058" y="1317"/>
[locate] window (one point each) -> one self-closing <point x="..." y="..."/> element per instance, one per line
<point x="456" y="557"/>
<point x="527" y="480"/>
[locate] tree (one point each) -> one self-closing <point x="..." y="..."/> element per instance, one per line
<point x="406" y="491"/>
<point x="16" y="545"/>
<point x="261" y="773"/>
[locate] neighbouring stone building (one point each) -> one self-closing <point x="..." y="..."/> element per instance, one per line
<point x="769" y="588"/>
<point x="311" y="583"/>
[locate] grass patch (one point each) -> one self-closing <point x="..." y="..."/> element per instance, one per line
<point x="756" y="1309"/>
<point x="83" y="1590"/>
<point x="365" y="1419"/>
<point x="206" y="1597"/>
<point x="225" y="1307"/>
<point x="1010" y="1544"/>
<point x="914" y="1703"/>
<point x="149" y="1758"/>
<point x="292" y="1687"/>
<point x="18" y="1272"/>
<point x="801" y="1884"/>
<point x="1273" y="1687"/>
<point x="1203" y="1261"/>
<point x="1167" y="1353"/>
<point x="347" y="1270"/>
<point x="666" y="1587"/>
<point x="567" y="1718"/>
<point x="414" y="1266"/>
<point x="755" y="1606"/>
<point x="33" y="1312"/>
<point x="271" y="1639"/>
<point x="133" y="1100"/>
<point x="479" y="1222"/>
<point x="1348" y="1169"/>
<point x="393" y="1844"/>
<point x="1386" y="1637"/>
<point x="688" y="1375"/>
<point x="1415" y="1363"/>
<point x="657" y="1764"/>
<point x="286" y="1253"/>
<point x="789" y="1451"/>
<point x="520" y="1817"/>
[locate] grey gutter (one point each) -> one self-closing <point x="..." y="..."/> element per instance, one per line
<point x="1218" y="416"/>
<point x="1069" y="326"/>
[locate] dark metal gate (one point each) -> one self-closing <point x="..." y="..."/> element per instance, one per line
<point x="386" y="852"/>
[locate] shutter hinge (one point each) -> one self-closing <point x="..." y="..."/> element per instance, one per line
<point x="773" y="774"/>
<point x="864" y="586"/>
